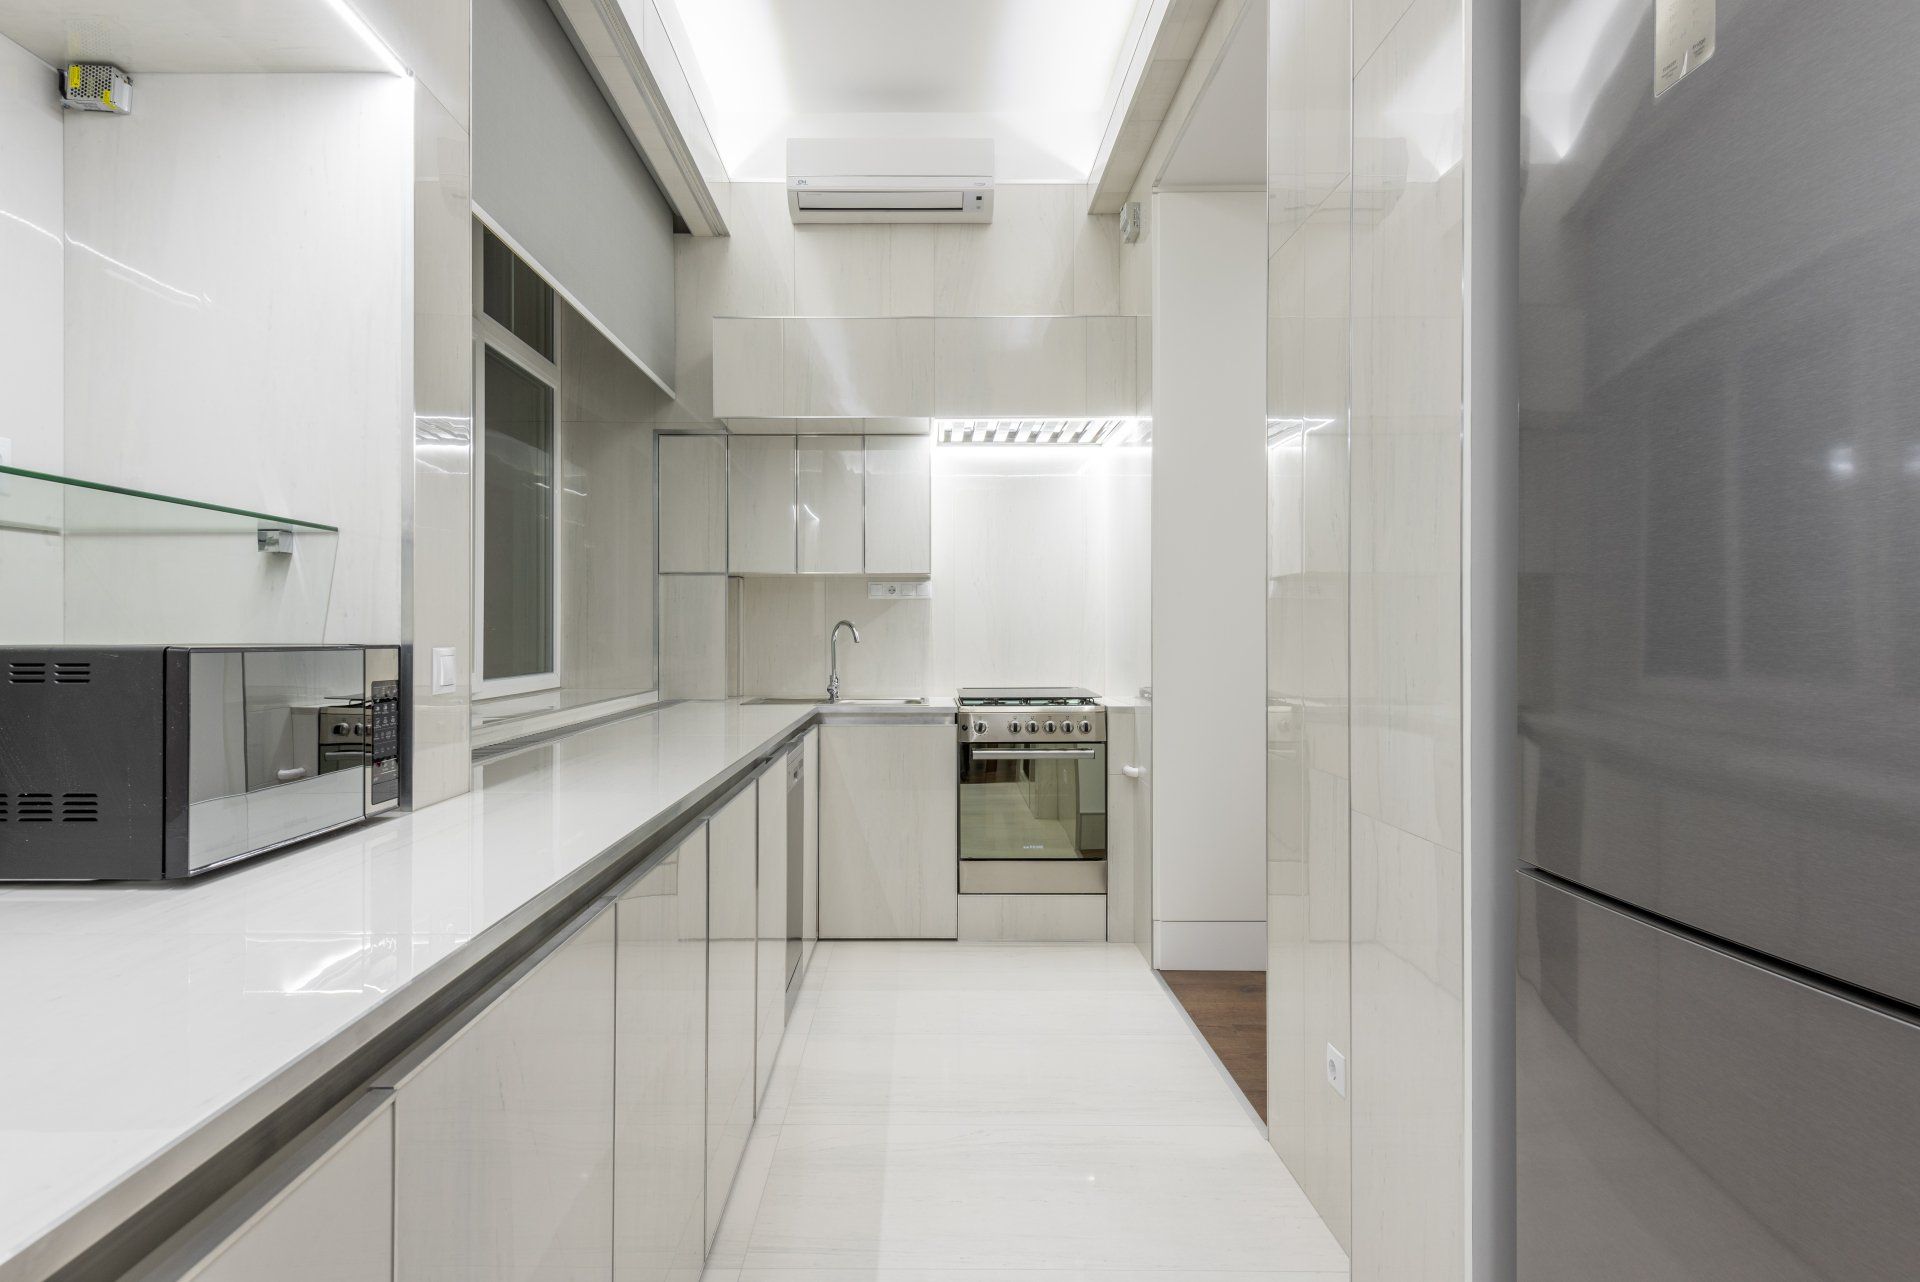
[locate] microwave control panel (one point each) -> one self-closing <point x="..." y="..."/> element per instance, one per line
<point x="383" y="748"/>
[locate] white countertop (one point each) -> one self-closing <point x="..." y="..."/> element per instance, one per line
<point x="132" y="1016"/>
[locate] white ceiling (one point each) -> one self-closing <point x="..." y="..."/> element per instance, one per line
<point x="190" y="35"/>
<point x="1225" y="140"/>
<point x="1036" y="76"/>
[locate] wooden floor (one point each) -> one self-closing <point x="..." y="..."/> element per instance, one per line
<point x="1230" y="1009"/>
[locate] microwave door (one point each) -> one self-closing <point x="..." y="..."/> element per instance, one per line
<point x="256" y="776"/>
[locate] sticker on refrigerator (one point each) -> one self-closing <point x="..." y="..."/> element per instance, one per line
<point x="1682" y="40"/>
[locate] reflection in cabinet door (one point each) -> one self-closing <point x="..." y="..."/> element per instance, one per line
<point x="732" y="922"/>
<point x="660" y="1062"/>
<point x="832" y="504"/>
<point x="503" y="1147"/>
<point x="810" y="860"/>
<point x="770" y="970"/>
<point x="322" y="1212"/>
<point x="761" y="505"/>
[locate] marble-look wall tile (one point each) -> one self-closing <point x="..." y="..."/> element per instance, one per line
<point x="695" y="659"/>
<point x="859" y="367"/>
<point x="1096" y="259"/>
<point x="1409" y="1143"/>
<point x="437" y="575"/>
<point x="1020" y="264"/>
<point x="31" y="253"/>
<point x="747" y="273"/>
<point x="205" y="349"/>
<point x="434" y="39"/>
<point x="841" y="269"/>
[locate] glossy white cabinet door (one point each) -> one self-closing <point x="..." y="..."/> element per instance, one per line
<point x="761" y="529"/>
<point x="899" y="504"/>
<point x="503" y="1134"/>
<point x="771" y="966"/>
<point x="732" y="924"/>
<point x="810" y="847"/>
<point x="327" y="1218"/>
<point x="693" y="504"/>
<point x="660" y="1071"/>
<point x="832" y="504"/>
<point x="888" y="843"/>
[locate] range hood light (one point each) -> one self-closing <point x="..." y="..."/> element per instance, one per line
<point x="1039" y="431"/>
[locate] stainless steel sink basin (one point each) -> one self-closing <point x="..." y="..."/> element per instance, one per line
<point x="844" y="703"/>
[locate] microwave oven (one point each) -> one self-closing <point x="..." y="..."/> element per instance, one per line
<point x="149" y="763"/>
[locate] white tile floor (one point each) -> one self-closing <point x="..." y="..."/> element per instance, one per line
<point x="1007" y="1113"/>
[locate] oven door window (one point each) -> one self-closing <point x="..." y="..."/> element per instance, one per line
<point x="1021" y="802"/>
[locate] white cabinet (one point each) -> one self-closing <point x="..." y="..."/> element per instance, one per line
<point x="888" y="843"/>
<point x="832" y="504"/>
<point x="899" y="484"/>
<point x="761" y="529"/>
<point x="732" y="924"/>
<point x="693" y="504"/>
<point x="660" y="1070"/>
<point x="810" y="850"/>
<point x="503" y="1136"/>
<point x="322" y="1212"/>
<point x="771" y="966"/>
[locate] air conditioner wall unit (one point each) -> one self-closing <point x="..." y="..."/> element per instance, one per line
<point x="890" y="180"/>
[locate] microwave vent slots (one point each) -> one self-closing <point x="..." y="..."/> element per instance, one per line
<point x="72" y="672"/>
<point x="26" y="672"/>
<point x="47" y="807"/>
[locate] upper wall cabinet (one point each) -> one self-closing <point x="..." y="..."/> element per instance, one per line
<point x="919" y="367"/>
<point x="693" y="504"/>
<point x="762" y="534"/>
<point x="832" y="504"/>
<point x="899" y="504"/>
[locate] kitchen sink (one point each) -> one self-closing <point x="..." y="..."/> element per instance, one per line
<point x="844" y="703"/>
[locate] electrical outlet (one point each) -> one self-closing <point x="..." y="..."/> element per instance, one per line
<point x="446" y="671"/>
<point x="1336" y="1071"/>
<point x="899" y="589"/>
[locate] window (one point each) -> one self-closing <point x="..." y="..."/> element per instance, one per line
<point x="516" y="490"/>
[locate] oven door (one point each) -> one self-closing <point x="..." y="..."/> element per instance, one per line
<point x="1033" y="819"/>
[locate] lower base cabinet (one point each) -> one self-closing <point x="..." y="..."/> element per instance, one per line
<point x="503" y="1135"/>
<point x="323" y="1212"/>
<point x="889" y="832"/>
<point x="771" y="965"/>
<point x="660" y="1071"/>
<point x="732" y="1017"/>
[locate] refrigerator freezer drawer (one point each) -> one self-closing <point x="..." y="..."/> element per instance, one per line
<point x="1687" y="1115"/>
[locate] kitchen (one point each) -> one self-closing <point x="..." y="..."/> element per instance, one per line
<point x="721" y="639"/>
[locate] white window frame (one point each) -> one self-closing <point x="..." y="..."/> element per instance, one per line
<point x="489" y="335"/>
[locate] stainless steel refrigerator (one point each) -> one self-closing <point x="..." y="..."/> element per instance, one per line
<point x="1718" y="1023"/>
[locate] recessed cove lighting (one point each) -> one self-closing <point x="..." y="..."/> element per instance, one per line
<point x="1040" y="431"/>
<point x="368" y="37"/>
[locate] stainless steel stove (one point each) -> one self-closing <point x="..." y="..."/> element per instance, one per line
<point x="1033" y="801"/>
<point x="1031" y="714"/>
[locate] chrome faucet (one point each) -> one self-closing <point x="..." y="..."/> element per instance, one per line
<point x="833" y="657"/>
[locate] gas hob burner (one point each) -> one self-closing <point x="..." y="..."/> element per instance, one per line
<point x="1031" y="715"/>
<point x="1027" y="697"/>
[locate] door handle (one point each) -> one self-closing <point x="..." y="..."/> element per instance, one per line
<point x="1033" y="754"/>
<point x="290" y="773"/>
<point x="1131" y="772"/>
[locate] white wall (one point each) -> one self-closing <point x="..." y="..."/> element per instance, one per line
<point x="1209" y="573"/>
<point x="238" y="295"/>
<point x="30" y="308"/>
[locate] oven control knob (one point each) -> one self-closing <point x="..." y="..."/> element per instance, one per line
<point x="979" y="727"/>
<point x="1049" y="727"/>
<point x="1033" y="727"/>
<point x="341" y="728"/>
<point x="1013" y="726"/>
<point x="359" y="727"/>
<point x="1086" y="727"/>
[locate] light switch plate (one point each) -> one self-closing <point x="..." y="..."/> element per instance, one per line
<point x="446" y="672"/>
<point x="1336" y="1071"/>
<point x="899" y="589"/>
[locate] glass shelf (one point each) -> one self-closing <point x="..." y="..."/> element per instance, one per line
<point x="84" y="563"/>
